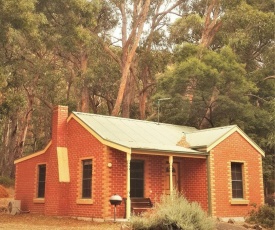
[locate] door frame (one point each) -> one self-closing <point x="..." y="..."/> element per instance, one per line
<point x="176" y="175"/>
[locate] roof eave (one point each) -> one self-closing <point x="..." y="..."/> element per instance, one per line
<point x="196" y="154"/>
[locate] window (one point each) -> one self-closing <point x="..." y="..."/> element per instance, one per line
<point x="87" y="179"/>
<point x="136" y="178"/>
<point x="237" y="180"/>
<point x="41" y="181"/>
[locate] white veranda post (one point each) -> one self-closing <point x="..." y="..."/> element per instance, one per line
<point x="171" y="173"/>
<point x="128" y="201"/>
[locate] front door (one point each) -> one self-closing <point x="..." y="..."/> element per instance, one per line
<point x="175" y="175"/>
<point x="137" y="178"/>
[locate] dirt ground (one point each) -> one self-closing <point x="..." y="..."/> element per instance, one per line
<point x="40" y="222"/>
<point x="31" y="221"/>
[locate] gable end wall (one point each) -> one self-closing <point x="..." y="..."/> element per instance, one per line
<point x="235" y="148"/>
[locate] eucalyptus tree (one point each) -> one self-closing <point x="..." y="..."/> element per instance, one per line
<point x="244" y="29"/>
<point x="21" y="59"/>
<point x="213" y="71"/>
<point x="245" y="26"/>
<point x="73" y="30"/>
<point x="140" y="23"/>
<point x="136" y="12"/>
<point x="154" y="52"/>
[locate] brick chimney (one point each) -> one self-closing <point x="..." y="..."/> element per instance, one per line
<point x="56" y="196"/>
<point x="59" y="126"/>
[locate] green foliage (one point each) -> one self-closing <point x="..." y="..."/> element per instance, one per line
<point x="249" y="33"/>
<point x="173" y="212"/>
<point x="6" y="181"/>
<point x="199" y="74"/>
<point x="264" y="216"/>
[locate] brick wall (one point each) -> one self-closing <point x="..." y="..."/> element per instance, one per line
<point x="156" y="177"/>
<point x="235" y="148"/>
<point x="56" y="195"/>
<point x="117" y="175"/>
<point x="26" y="183"/>
<point x="193" y="180"/>
<point x="82" y="145"/>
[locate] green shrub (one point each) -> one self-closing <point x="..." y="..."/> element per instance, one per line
<point x="6" y="181"/>
<point x="264" y="216"/>
<point x="173" y="212"/>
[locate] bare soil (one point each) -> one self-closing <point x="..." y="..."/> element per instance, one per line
<point x="41" y="222"/>
<point x="31" y="221"/>
<point x="3" y="192"/>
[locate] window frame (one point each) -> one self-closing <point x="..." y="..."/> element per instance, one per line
<point x="86" y="188"/>
<point x="138" y="179"/>
<point x="38" y="198"/>
<point x="80" y="198"/>
<point x="237" y="180"/>
<point x="238" y="200"/>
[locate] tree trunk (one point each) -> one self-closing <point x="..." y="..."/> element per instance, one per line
<point x="143" y="94"/>
<point x="211" y="27"/>
<point x="129" y="46"/>
<point x="206" y="120"/>
<point x="85" y="95"/>
<point x="25" y="121"/>
<point x="85" y="99"/>
<point x="129" y="96"/>
<point x="211" y="24"/>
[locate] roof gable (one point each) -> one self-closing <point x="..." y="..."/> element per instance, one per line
<point x="210" y="138"/>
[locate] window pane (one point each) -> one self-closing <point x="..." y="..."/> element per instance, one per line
<point x="41" y="181"/>
<point x="86" y="178"/>
<point x="237" y="181"/>
<point x="137" y="178"/>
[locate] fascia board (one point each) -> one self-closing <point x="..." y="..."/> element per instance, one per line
<point x="168" y="153"/>
<point x="33" y="154"/>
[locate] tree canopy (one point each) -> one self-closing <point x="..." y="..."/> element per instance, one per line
<point x="213" y="59"/>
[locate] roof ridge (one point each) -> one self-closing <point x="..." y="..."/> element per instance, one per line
<point x="212" y="129"/>
<point x="131" y="119"/>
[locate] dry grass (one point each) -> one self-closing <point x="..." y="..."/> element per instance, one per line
<point x="35" y="222"/>
<point x="39" y="222"/>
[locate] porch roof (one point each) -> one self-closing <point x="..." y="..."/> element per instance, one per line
<point x="138" y="134"/>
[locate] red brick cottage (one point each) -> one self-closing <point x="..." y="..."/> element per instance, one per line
<point x="91" y="157"/>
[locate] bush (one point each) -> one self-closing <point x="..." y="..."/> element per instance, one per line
<point x="264" y="216"/>
<point x="6" y="181"/>
<point x="173" y="212"/>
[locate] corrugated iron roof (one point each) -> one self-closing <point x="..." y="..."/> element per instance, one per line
<point x="207" y="137"/>
<point x="137" y="134"/>
<point x="147" y="135"/>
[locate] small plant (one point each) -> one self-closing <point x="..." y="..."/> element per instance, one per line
<point x="6" y="181"/>
<point x="264" y="216"/>
<point x="174" y="212"/>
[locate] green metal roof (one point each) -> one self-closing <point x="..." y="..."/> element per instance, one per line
<point x="138" y="134"/>
<point x="206" y="137"/>
<point x="151" y="136"/>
